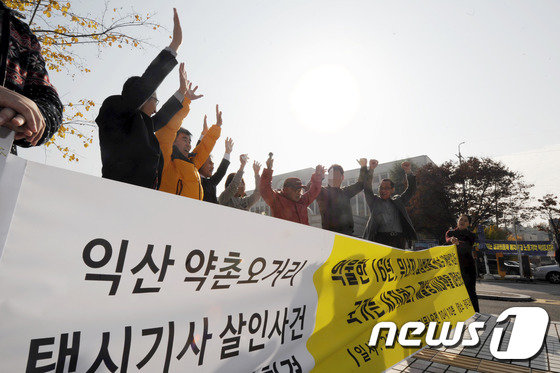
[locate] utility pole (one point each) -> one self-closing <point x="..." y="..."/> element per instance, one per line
<point x="464" y="186"/>
<point x="459" y="155"/>
<point x="514" y="220"/>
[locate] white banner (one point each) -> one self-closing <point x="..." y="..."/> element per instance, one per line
<point x="97" y="275"/>
<point x="100" y="268"/>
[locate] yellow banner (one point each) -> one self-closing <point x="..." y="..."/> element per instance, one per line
<point x="362" y="284"/>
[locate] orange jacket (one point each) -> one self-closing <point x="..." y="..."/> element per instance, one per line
<point x="181" y="176"/>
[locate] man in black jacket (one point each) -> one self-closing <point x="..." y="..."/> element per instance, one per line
<point x="334" y="201"/>
<point x="389" y="223"/>
<point x="130" y="151"/>
<point x="209" y="181"/>
<point x="29" y="104"/>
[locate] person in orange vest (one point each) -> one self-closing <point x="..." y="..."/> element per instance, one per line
<point x="180" y="169"/>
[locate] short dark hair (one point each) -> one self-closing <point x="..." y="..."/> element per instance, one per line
<point x="336" y="167"/>
<point x="390" y="182"/>
<point x="467" y="216"/>
<point x="184" y="131"/>
<point x="134" y="82"/>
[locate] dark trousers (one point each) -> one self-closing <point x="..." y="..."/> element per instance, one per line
<point x="391" y="239"/>
<point x="469" y="277"/>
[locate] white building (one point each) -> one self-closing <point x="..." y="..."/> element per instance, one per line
<point x="531" y="234"/>
<point x="358" y="203"/>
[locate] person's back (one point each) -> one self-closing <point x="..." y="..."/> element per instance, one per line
<point x="129" y="153"/>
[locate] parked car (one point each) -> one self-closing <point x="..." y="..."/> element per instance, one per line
<point x="550" y="273"/>
<point x="511" y="268"/>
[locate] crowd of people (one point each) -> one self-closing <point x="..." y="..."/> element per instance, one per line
<point x="147" y="147"/>
<point x="143" y="146"/>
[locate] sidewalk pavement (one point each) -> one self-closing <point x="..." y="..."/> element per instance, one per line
<point x="503" y="296"/>
<point x="508" y="278"/>
<point x="479" y="359"/>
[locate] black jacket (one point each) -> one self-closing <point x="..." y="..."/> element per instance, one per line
<point x="464" y="249"/>
<point x="209" y="183"/>
<point x="129" y="148"/>
<point x="399" y="201"/>
<point x="334" y="204"/>
<point x="22" y="70"/>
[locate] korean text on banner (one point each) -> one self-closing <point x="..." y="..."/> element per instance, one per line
<point x="362" y="284"/>
<point x="97" y="274"/>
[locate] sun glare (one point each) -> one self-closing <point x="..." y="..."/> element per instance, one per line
<point x="326" y="98"/>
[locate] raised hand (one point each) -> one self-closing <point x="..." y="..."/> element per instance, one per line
<point x="320" y="170"/>
<point x="191" y="93"/>
<point x="229" y="145"/>
<point x="373" y="163"/>
<point x="204" y="126"/>
<point x="183" y="81"/>
<point x="256" y="167"/>
<point x="269" y="161"/>
<point x="218" y="116"/>
<point x="362" y="162"/>
<point x="406" y="166"/>
<point x="177" y="32"/>
<point x="243" y="158"/>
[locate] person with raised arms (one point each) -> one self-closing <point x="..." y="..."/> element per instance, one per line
<point x="289" y="203"/>
<point x="234" y="194"/>
<point x="389" y="223"/>
<point x="211" y="180"/>
<point x="130" y="151"/>
<point x="334" y="201"/>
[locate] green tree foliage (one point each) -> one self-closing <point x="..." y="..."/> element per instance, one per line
<point x="398" y="176"/>
<point x="484" y="189"/>
<point x="430" y="208"/>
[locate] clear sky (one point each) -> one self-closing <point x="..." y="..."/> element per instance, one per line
<point x="332" y="81"/>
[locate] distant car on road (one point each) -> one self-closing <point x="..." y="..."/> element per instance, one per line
<point x="550" y="273"/>
<point x="510" y="267"/>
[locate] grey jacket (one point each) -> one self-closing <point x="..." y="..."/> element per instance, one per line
<point x="399" y="201"/>
<point x="228" y="198"/>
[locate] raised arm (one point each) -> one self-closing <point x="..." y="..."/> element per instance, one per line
<point x="224" y="164"/>
<point x="173" y="105"/>
<point x="358" y="186"/>
<point x="231" y="189"/>
<point x="156" y="72"/>
<point x="265" y="185"/>
<point x="204" y="148"/>
<point x="411" y="181"/>
<point x="368" y="182"/>
<point x="253" y="198"/>
<point x="166" y="134"/>
<point x="308" y="197"/>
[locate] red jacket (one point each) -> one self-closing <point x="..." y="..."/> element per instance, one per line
<point x="284" y="208"/>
